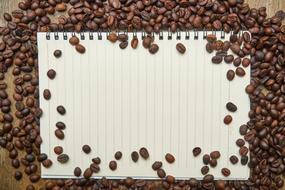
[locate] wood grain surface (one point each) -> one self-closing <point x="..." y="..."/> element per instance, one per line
<point x="7" y="181"/>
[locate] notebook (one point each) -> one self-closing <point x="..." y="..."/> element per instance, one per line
<point x="122" y="100"/>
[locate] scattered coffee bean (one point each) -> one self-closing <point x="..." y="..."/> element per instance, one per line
<point x="87" y="173"/>
<point x="217" y="59"/>
<point x="18" y="175"/>
<point x="80" y="48"/>
<point x="180" y="48"/>
<point x="205" y="170"/>
<point x="240" y="71"/>
<point x="196" y="151"/>
<point x="63" y="158"/>
<point x="112" y="37"/>
<point x="206" y="159"/>
<point x="215" y="154"/>
<point x="61" y="110"/>
<point x="57" y="53"/>
<point x="58" y="150"/>
<point x="153" y="48"/>
<point x="86" y="149"/>
<point x="51" y="74"/>
<point x="47" y="163"/>
<point x="161" y="173"/>
<point x="134" y="42"/>
<point x="229" y="58"/>
<point x="77" y="172"/>
<point x="240" y="142"/>
<point x="59" y="134"/>
<point x="118" y="155"/>
<point x="169" y="158"/>
<point x="147" y="41"/>
<point x="244" y="160"/>
<point x="245" y="62"/>
<point x="96" y="160"/>
<point x="237" y="61"/>
<point x="95" y="168"/>
<point x="243" y="151"/>
<point x="156" y="165"/>
<point x="123" y="37"/>
<point x="74" y="40"/>
<point x="170" y="179"/>
<point x="228" y="119"/>
<point x="135" y="156"/>
<point x="226" y="172"/>
<point x="231" y="107"/>
<point x="213" y="163"/>
<point x="230" y="75"/>
<point x="47" y="94"/>
<point x="113" y="165"/>
<point x="30" y="187"/>
<point x="123" y="45"/>
<point x="144" y="153"/>
<point x="60" y="125"/>
<point x="234" y="159"/>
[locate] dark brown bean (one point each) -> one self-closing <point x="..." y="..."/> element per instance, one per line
<point x="94" y="167"/>
<point x="156" y="165"/>
<point x="230" y="75"/>
<point x="240" y="142"/>
<point x="96" y="160"/>
<point x="240" y="71"/>
<point x="228" y="119"/>
<point x="147" y="41"/>
<point x="18" y="175"/>
<point x="112" y="37"/>
<point x="243" y="151"/>
<point x="244" y="160"/>
<point x="215" y="154"/>
<point x="123" y="37"/>
<point x="226" y="172"/>
<point x="231" y="107"/>
<point x="61" y="110"/>
<point x="87" y="173"/>
<point x="135" y="156"/>
<point x="144" y="153"/>
<point x="113" y="165"/>
<point x="74" y="40"/>
<point x="196" y="151"/>
<point x="205" y="170"/>
<point x="86" y="149"/>
<point x="77" y="172"/>
<point x="58" y="150"/>
<point x="47" y="163"/>
<point x="57" y="53"/>
<point x="234" y="159"/>
<point x="118" y="155"/>
<point x="59" y="134"/>
<point x="123" y="45"/>
<point x="206" y="159"/>
<point x="161" y="173"/>
<point x="245" y="62"/>
<point x="60" y="125"/>
<point x="170" y="179"/>
<point x="47" y="94"/>
<point x="213" y="163"/>
<point x="134" y="42"/>
<point x="229" y="58"/>
<point x="153" y="48"/>
<point x="217" y="59"/>
<point x="63" y="158"/>
<point x="169" y="158"/>
<point x="180" y="48"/>
<point x="80" y="48"/>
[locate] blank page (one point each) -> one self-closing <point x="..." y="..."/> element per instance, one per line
<point x="122" y="100"/>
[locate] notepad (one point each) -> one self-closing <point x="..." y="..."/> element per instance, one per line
<point x="122" y="100"/>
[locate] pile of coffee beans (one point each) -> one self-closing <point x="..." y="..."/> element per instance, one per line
<point x="265" y="46"/>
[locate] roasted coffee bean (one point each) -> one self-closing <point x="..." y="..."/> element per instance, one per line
<point x="245" y="62"/>
<point x="59" y="134"/>
<point x="217" y="59"/>
<point x="231" y="107"/>
<point x="134" y="42"/>
<point x="205" y="170"/>
<point x="60" y="125"/>
<point x="15" y="163"/>
<point x="94" y="167"/>
<point x="213" y="163"/>
<point x="234" y="159"/>
<point x="180" y="48"/>
<point x="144" y="153"/>
<point x="30" y="187"/>
<point x="123" y="45"/>
<point x="112" y="37"/>
<point x="123" y="37"/>
<point x="240" y="142"/>
<point x="63" y="158"/>
<point x="226" y="172"/>
<point x="237" y="61"/>
<point x="86" y="149"/>
<point x="228" y="119"/>
<point x="244" y="160"/>
<point x="229" y="58"/>
<point x="18" y="175"/>
<point x="77" y="172"/>
<point x="47" y="163"/>
<point x="96" y="160"/>
<point x="215" y="154"/>
<point x="34" y="178"/>
<point x="196" y="151"/>
<point x="51" y="74"/>
<point x="240" y="71"/>
<point x="170" y="179"/>
<point x="87" y="173"/>
<point x="156" y="165"/>
<point x="47" y="94"/>
<point x="206" y="159"/>
<point x="113" y="165"/>
<point x="58" y="150"/>
<point x="57" y="53"/>
<point x="147" y="41"/>
<point x="153" y="48"/>
<point x="135" y="156"/>
<point x="61" y="110"/>
<point x="74" y="40"/>
<point x="80" y="48"/>
<point x="169" y="158"/>
<point x="243" y="151"/>
<point x="118" y="155"/>
<point x="230" y="75"/>
<point x="161" y="173"/>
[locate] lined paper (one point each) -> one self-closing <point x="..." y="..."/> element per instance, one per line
<point x="122" y="100"/>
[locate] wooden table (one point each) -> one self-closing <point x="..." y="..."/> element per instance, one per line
<point x="7" y="181"/>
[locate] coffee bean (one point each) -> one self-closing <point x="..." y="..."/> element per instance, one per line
<point x="30" y="187"/>
<point x="244" y="160"/>
<point x="18" y="175"/>
<point x="196" y="151"/>
<point x="161" y="173"/>
<point x="249" y="89"/>
<point x="231" y="107"/>
<point x="123" y="37"/>
<point x="15" y="163"/>
<point x="217" y="59"/>
<point x="240" y="142"/>
<point x="47" y="163"/>
<point x="63" y="158"/>
<point x="86" y="149"/>
<point x="169" y="158"/>
<point x="96" y="160"/>
<point x="229" y="58"/>
<point x="144" y="153"/>
<point x="34" y="178"/>
<point x="237" y="61"/>
<point x="213" y="163"/>
<point x="170" y="179"/>
<point x="147" y="41"/>
<point x="228" y="119"/>
<point x="156" y="165"/>
<point x="47" y="94"/>
<point x="134" y="42"/>
<point x="234" y="159"/>
<point x="59" y="134"/>
<point x="57" y="53"/>
<point x="135" y="156"/>
<point x="87" y="173"/>
<point x="240" y="71"/>
<point x="61" y="7"/>
<point x="205" y="170"/>
<point x="74" y="40"/>
<point x="123" y="45"/>
<point x="80" y="48"/>
<point x="153" y="48"/>
<point x="113" y="165"/>
<point x="51" y="74"/>
<point x="243" y="151"/>
<point x="58" y="150"/>
<point x="118" y="155"/>
<point x="206" y="159"/>
<point x="60" y="125"/>
<point x="209" y="48"/>
<point x="112" y="37"/>
<point x="246" y="36"/>
<point x="245" y="62"/>
<point x="215" y="154"/>
<point x="61" y="110"/>
<point x="77" y="172"/>
<point x="180" y="48"/>
<point x="95" y="168"/>
<point x="226" y="172"/>
<point x="211" y="38"/>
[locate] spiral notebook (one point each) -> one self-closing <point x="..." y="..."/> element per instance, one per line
<point x="122" y="100"/>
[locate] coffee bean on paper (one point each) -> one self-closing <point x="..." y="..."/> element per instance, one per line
<point x="123" y="45"/>
<point x="61" y="110"/>
<point x="213" y="162"/>
<point x="112" y="37"/>
<point x="153" y="48"/>
<point x="57" y="53"/>
<point x="169" y="158"/>
<point x="156" y="165"/>
<point x="240" y="142"/>
<point x="231" y="107"/>
<point x="147" y="41"/>
<point x="60" y="125"/>
<point x="95" y="168"/>
<point x="230" y="75"/>
<point x="161" y="173"/>
<point x="59" y="134"/>
<point x="77" y="171"/>
<point x="87" y="173"/>
<point x="244" y="160"/>
<point x="86" y="149"/>
<point x="144" y="153"/>
<point x="205" y="170"/>
<point x="134" y="42"/>
<point x="180" y="48"/>
<point x="80" y="48"/>
<point x="215" y="154"/>
<point x="226" y="172"/>
<point x="228" y="119"/>
<point x="229" y="58"/>
<point x="240" y="71"/>
<point x="206" y="159"/>
<point x="237" y="61"/>
<point x="47" y="163"/>
<point x="196" y="151"/>
<point x="135" y="156"/>
<point x="234" y="159"/>
<point x="47" y="94"/>
<point x="74" y="40"/>
<point x="170" y="179"/>
<point x="118" y="155"/>
<point x="58" y="150"/>
<point x="243" y="151"/>
<point x="63" y="158"/>
<point x="123" y="37"/>
<point x="245" y="62"/>
<point x="113" y="165"/>
<point x="51" y="74"/>
<point x="217" y="59"/>
<point x="96" y="160"/>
